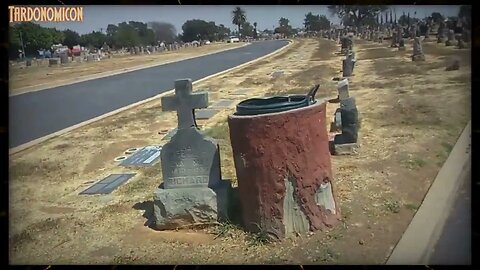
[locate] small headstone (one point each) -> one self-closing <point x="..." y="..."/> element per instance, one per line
<point x="90" y="58"/>
<point x="460" y="43"/>
<point x="401" y="44"/>
<point x="192" y="191"/>
<point x="53" y="62"/>
<point x="349" y="114"/>
<point x="342" y="89"/>
<point x="278" y="73"/>
<point x="450" y="38"/>
<point x="64" y="59"/>
<point x="28" y="63"/>
<point x="417" y="50"/>
<point x="347" y="65"/>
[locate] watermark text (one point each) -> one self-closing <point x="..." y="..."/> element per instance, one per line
<point x="45" y="14"/>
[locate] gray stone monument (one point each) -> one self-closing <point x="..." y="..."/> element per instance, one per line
<point x="401" y="44"/>
<point x="347" y="65"/>
<point x="460" y="43"/>
<point x="192" y="191"/>
<point x="417" y="50"/>
<point x="441" y="33"/>
<point x="64" y="59"/>
<point x="394" y="40"/>
<point x="450" y="38"/>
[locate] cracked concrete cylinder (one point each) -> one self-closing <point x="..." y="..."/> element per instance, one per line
<point x="284" y="172"/>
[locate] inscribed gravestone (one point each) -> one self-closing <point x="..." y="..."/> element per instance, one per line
<point x="189" y="159"/>
<point x="450" y="38"/>
<point x="347" y="65"/>
<point x="192" y="189"/>
<point x="417" y="50"/>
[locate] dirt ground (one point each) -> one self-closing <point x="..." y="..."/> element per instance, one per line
<point x="411" y="115"/>
<point x="39" y="73"/>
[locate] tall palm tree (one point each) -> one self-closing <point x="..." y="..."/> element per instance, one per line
<point x="238" y="17"/>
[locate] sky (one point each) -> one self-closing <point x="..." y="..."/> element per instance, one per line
<point x="96" y="18"/>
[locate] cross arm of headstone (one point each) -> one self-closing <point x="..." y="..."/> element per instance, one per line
<point x="185" y="102"/>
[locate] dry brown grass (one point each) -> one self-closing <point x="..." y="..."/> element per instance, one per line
<point x="409" y="124"/>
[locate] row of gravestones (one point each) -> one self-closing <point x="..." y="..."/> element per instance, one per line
<point x="345" y="122"/>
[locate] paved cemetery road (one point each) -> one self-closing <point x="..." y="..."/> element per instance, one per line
<point x="37" y="114"/>
<point x="454" y="245"/>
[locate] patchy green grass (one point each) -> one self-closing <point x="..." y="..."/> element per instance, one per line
<point x="413" y="162"/>
<point x="393" y="206"/>
<point x="411" y="206"/>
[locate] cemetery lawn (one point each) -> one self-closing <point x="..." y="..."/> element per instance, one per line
<point x="40" y="74"/>
<point x="411" y="116"/>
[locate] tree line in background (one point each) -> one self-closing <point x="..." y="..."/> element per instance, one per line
<point x="375" y="15"/>
<point x="30" y="37"/>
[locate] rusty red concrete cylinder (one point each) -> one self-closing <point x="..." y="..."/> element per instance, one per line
<point x="283" y="151"/>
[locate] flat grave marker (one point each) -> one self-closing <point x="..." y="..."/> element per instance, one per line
<point x="108" y="184"/>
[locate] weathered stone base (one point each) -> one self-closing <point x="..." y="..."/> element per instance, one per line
<point x="449" y="43"/>
<point x="401" y="48"/>
<point x="344" y="149"/>
<point x="174" y="208"/>
<point x="418" y="57"/>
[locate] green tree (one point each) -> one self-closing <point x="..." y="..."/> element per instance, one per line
<point x="71" y="38"/>
<point x="247" y="30"/>
<point x="437" y="17"/>
<point x="357" y="14"/>
<point x="222" y="32"/>
<point x="284" y="28"/>
<point x="199" y="29"/>
<point x="316" y="22"/>
<point x="146" y="36"/>
<point x="238" y="17"/>
<point x="255" y="30"/>
<point x="163" y="31"/>
<point x="94" y="39"/>
<point x="34" y="37"/>
<point x="406" y="20"/>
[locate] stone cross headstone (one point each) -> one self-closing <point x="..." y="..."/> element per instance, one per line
<point x="450" y="38"/>
<point x="417" y="50"/>
<point x="192" y="191"/>
<point x="185" y="102"/>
